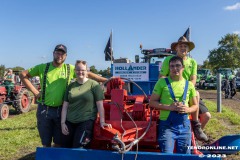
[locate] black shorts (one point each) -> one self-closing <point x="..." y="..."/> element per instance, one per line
<point x="49" y="124"/>
<point x="80" y="134"/>
<point x="202" y="107"/>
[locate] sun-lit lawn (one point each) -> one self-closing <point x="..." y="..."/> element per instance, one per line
<point x="224" y="123"/>
<point x="19" y="135"/>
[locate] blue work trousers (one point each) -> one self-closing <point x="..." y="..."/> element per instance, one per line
<point x="175" y="130"/>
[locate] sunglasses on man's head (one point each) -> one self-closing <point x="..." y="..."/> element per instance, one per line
<point x="80" y="61"/>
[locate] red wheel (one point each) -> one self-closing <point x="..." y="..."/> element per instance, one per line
<point x="4" y="111"/>
<point x="23" y="101"/>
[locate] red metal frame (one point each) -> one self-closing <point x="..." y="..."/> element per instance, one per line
<point x="118" y="105"/>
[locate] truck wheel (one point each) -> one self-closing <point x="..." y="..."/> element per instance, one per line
<point x="23" y="101"/>
<point x="4" y="111"/>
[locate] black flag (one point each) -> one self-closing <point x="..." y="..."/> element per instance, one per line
<point x="108" y="50"/>
<point x="187" y="34"/>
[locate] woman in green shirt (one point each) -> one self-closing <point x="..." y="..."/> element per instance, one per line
<point x="83" y="100"/>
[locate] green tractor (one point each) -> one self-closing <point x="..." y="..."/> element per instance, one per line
<point x="226" y="74"/>
<point x="210" y="82"/>
<point x="202" y="75"/>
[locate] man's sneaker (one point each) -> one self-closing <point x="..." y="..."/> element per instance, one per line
<point x="198" y="132"/>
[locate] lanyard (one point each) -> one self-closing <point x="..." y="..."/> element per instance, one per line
<point x="172" y="94"/>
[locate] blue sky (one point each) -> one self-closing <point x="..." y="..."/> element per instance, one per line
<point x="30" y="29"/>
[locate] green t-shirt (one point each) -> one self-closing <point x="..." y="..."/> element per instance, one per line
<point x="162" y="90"/>
<point x="190" y="67"/>
<point x="82" y="100"/>
<point x="56" y="82"/>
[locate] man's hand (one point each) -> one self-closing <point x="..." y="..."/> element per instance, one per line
<point x="38" y="95"/>
<point x="181" y="108"/>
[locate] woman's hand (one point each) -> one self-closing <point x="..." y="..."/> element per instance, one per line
<point x="64" y="129"/>
<point x="103" y="124"/>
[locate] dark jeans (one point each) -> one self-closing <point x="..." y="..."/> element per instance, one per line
<point x="80" y="134"/>
<point x="175" y="131"/>
<point x="49" y="124"/>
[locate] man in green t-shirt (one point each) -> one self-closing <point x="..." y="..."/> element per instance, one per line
<point x="183" y="46"/>
<point x="54" y="78"/>
<point x="175" y="97"/>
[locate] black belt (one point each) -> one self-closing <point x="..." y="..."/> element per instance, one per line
<point x="52" y="106"/>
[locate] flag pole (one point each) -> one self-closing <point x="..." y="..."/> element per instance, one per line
<point x="189" y="33"/>
<point x="189" y="39"/>
<point x="111" y="47"/>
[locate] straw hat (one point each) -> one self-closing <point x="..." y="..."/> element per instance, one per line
<point x="184" y="40"/>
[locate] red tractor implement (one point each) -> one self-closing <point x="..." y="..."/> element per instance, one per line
<point x="131" y="118"/>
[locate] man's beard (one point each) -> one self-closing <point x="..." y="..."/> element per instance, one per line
<point x="58" y="61"/>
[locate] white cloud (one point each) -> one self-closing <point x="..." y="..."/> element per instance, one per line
<point x="233" y="7"/>
<point x="236" y="32"/>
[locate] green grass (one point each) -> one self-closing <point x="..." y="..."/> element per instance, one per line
<point x="19" y="136"/>
<point x="221" y="124"/>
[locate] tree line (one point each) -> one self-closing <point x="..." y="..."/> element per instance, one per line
<point x="104" y="73"/>
<point x="226" y="55"/>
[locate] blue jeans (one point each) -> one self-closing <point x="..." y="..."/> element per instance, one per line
<point x="175" y="131"/>
<point x="49" y="124"/>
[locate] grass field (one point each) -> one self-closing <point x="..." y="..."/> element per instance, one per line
<point x="227" y="122"/>
<point x="19" y="136"/>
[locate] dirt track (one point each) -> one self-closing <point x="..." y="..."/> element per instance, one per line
<point x="233" y="103"/>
